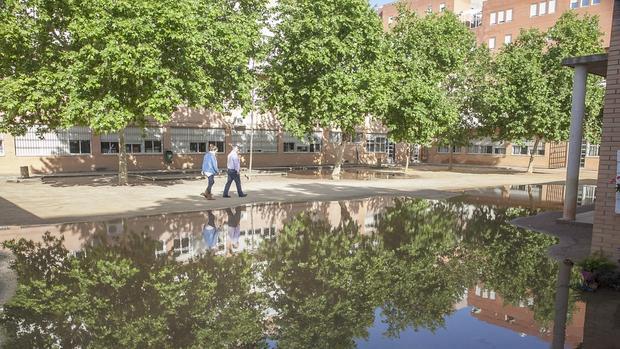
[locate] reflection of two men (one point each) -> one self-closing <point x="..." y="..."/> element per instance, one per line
<point x="210" y="232"/>
<point x="234" y="229"/>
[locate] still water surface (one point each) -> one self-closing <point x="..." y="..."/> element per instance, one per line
<point x="380" y="272"/>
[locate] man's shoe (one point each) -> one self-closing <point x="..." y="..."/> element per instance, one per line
<point x="210" y="197"/>
<point x="243" y="195"/>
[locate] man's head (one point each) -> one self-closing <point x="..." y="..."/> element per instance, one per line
<point x="212" y="148"/>
<point x="236" y="147"/>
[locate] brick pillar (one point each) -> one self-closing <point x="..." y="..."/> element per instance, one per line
<point x="606" y="233"/>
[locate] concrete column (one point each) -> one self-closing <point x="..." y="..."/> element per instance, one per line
<point x="576" y="138"/>
<point x="561" y="305"/>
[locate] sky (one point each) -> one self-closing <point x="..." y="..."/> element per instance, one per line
<point x="380" y="2"/>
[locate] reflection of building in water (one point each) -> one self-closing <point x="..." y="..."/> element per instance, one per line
<point x="490" y="307"/>
<point x="187" y="235"/>
<point x="549" y="196"/>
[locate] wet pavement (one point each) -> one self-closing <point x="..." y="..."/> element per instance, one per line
<point x="350" y="173"/>
<point x="369" y="273"/>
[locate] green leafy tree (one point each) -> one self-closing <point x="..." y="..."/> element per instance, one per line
<point x="324" y="67"/>
<point x="530" y="93"/>
<point x="427" y="61"/>
<point x="111" y="64"/>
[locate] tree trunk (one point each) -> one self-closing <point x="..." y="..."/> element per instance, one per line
<point x="451" y="159"/>
<point x="339" y="158"/>
<point x="408" y="156"/>
<point x="122" y="159"/>
<point x="530" y="166"/>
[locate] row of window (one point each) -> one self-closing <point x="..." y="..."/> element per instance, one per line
<point x="77" y="140"/>
<point x="497" y="149"/>
<point x="583" y="3"/>
<point x="501" y="17"/>
<point x="542" y="8"/>
<point x="507" y="40"/>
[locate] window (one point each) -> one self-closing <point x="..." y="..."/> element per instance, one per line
<point x="593" y="149"/>
<point x="542" y="8"/>
<point x="137" y="141"/>
<point x="182" y="246"/>
<point x="263" y="141"/>
<point x="507" y="39"/>
<point x="491" y="43"/>
<point x="527" y="148"/>
<point x="509" y="15"/>
<point x="74" y="141"/>
<point x="574" y="3"/>
<point x="500" y="17"/>
<point x="390" y="20"/>
<point x="1" y="145"/>
<point x="444" y="149"/>
<point x="585" y="3"/>
<point x="335" y="137"/>
<point x="429" y="9"/>
<point x="480" y="149"/>
<point x="442" y="7"/>
<point x="596" y="2"/>
<point x="533" y="8"/>
<point x="499" y="150"/>
<point x="376" y="143"/>
<point x="551" y="6"/>
<point x="310" y="144"/>
<point x="196" y="140"/>
<point x="493" y="18"/>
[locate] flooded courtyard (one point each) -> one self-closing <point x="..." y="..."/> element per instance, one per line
<point x="378" y="272"/>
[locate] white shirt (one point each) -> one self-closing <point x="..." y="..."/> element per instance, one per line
<point x="233" y="161"/>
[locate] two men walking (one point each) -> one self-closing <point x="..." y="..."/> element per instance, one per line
<point x="209" y="169"/>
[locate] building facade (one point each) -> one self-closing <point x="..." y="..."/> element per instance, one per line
<point x="606" y="230"/>
<point x="187" y="136"/>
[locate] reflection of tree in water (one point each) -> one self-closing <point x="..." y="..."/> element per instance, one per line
<point x="121" y="295"/>
<point x="321" y="282"/>
<point x="319" y="278"/>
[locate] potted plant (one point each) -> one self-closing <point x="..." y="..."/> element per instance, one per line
<point x="595" y="269"/>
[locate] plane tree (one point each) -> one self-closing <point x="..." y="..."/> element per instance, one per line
<point x="112" y="64"/>
<point x="530" y="92"/>
<point x="324" y="67"/>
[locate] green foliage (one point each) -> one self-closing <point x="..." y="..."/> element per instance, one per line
<point x="431" y="61"/>
<point x="325" y="65"/>
<point x="109" y="64"/>
<point x="597" y="262"/>
<point x="530" y="93"/>
<point x="121" y="295"/>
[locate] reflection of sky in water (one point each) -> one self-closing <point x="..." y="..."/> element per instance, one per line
<point x="462" y="330"/>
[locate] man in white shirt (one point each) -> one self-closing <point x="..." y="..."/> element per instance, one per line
<point x="234" y="168"/>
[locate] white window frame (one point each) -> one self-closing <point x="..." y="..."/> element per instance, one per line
<point x="312" y="144"/>
<point x="551" y="6"/>
<point x="507" y="39"/>
<point x="53" y="143"/>
<point x="533" y="10"/>
<point x="595" y="2"/>
<point x="501" y="17"/>
<point x="492" y="43"/>
<point x="493" y="18"/>
<point x="585" y="3"/>
<point x="542" y="8"/>
<point x="574" y="4"/>
<point x="509" y="15"/>
<point x="376" y="142"/>
<point x="183" y="139"/>
<point x="528" y="148"/>
<point x="264" y="141"/>
<point x="445" y="149"/>
<point x="135" y="136"/>
<point x="593" y="149"/>
<point x="442" y="7"/>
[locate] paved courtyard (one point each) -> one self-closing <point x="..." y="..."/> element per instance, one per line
<point x="57" y="200"/>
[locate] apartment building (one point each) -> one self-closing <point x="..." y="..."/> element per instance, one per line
<point x="497" y="23"/>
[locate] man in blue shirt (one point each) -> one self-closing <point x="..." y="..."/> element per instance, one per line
<point x="209" y="169"/>
<point x="234" y="168"/>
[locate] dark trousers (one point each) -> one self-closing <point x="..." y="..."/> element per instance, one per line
<point x="211" y="179"/>
<point x="233" y="175"/>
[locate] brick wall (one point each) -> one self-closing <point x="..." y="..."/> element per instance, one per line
<point x="606" y="234"/>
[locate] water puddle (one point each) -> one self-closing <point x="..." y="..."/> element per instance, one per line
<point x="349" y="173"/>
<point x="371" y="273"/>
